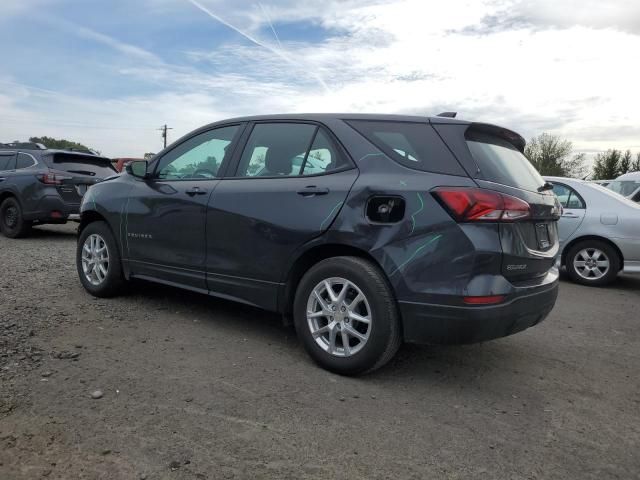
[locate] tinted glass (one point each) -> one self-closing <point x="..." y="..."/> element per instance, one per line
<point x="276" y="149"/>
<point x="624" y="187"/>
<point x="199" y="157"/>
<point x="501" y="162"/>
<point x="81" y="165"/>
<point x="568" y="197"/>
<point x="24" y="161"/>
<point x="6" y="162"/>
<point x="322" y="156"/>
<point x="414" y="145"/>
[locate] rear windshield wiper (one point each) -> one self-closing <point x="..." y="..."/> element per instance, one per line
<point x="82" y="172"/>
<point x="545" y="187"/>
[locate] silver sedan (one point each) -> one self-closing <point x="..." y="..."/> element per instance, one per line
<point x="599" y="231"/>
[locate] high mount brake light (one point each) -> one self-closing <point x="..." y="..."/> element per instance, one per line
<point x="467" y="204"/>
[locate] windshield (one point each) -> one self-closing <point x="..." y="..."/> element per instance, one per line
<point x="501" y="162"/>
<point x="624" y="187"/>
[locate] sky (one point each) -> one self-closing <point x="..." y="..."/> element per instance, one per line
<point x="109" y="73"/>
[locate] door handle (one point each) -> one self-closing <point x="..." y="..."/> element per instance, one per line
<point x="195" y="191"/>
<point x="1" y="179"/>
<point x="569" y="215"/>
<point x="312" y="190"/>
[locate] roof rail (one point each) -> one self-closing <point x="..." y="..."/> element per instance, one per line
<point x="23" y="146"/>
<point x="447" y="114"/>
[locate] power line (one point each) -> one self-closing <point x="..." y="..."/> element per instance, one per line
<point x="164" y="129"/>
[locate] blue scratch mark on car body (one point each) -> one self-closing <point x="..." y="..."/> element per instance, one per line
<point x="418" y="250"/>
<point x="413" y="215"/>
<point x="333" y="210"/>
<point x="371" y="155"/>
<point x="403" y="183"/>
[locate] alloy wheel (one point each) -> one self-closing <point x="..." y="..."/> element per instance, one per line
<point x="95" y="259"/>
<point x="11" y="217"/>
<point x="339" y="317"/>
<point x="591" y="263"/>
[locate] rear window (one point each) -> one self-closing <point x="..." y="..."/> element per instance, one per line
<point x="414" y="145"/>
<point x="81" y="165"/>
<point x="500" y="161"/>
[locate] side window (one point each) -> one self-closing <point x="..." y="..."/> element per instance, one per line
<point x="568" y="197"/>
<point x="7" y="162"/>
<point x="287" y="149"/>
<point x="199" y="157"/>
<point x="24" y="161"/>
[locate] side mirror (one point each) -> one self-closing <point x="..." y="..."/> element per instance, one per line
<point x="138" y="168"/>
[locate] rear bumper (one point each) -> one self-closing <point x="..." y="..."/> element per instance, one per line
<point x="449" y="324"/>
<point x="52" y="203"/>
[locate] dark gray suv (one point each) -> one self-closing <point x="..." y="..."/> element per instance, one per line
<point x="366" y="230"/>
<point x="39" y="186"/>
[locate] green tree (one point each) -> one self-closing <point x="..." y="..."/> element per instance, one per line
<point x="61" y="144"/>
<point x="553" y="155"/>
<point x="607" y="165"/>
<point x="625" y="163"/>
<point x="635" y="166"/>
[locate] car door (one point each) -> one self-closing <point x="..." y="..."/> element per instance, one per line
<point x="573" y="211"/>
<point x="165" y="215"/>
<point x="290" y="182"/>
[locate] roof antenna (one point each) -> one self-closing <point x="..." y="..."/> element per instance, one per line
<point x="447" y="114"/>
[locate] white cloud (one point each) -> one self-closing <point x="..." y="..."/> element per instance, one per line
<point x="531" y="66"/>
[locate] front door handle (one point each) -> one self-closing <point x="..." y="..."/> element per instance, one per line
<point x="195" y="191"/>
<point x="1" y="179"/>
<point x="569" y="215"/>
<point x="312" y="190"/>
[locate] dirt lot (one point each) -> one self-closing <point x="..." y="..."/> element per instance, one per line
<point x="195" y="387"/>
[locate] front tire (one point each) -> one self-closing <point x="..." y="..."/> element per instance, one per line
<point x="98" y="261"/>
<point x="346" y="316"/>
<point x="12" y="222"/>
<point x="593" y="263"/>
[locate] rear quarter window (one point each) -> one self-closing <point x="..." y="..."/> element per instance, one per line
<point x="414" y="145"/>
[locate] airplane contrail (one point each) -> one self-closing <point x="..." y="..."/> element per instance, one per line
<point x="275" y="34"/>
<point x="254" y="40"/>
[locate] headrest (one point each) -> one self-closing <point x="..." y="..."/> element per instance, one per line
<point x="279" y="159"/>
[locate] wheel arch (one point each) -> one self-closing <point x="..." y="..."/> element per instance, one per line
<point x="311" y="257"/>
<point x="598" y="238"/>
<point x="9" y="194"/>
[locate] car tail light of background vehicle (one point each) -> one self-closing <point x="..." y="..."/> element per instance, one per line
<point x="466" y="204"/>
<point x="52" y="178"/>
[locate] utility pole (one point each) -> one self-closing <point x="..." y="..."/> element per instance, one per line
<point x="164" y="129"/>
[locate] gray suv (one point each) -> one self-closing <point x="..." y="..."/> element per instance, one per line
<point x="366" y="230"/>
<point x="39" y="185"/>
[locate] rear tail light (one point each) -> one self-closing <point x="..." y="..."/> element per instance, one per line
<point x="51" y="178"/>
<point x="466" y="204"/>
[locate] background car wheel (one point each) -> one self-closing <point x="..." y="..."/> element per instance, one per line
<point x="98" y="261"/>
<point x="592" y="263"/>
<point x="12" y="224"/>
<point x="346" y="316"/>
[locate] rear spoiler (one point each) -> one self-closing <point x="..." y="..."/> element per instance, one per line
<point x="510" y="136"/>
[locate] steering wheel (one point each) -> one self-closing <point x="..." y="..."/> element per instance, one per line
<point x="204" y="173"/>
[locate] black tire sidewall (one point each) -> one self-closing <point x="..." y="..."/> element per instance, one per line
<point x="114" y="279"/>
<point x="21" y="228"/>
<point x="380" y="301"/>
<point x="614" y="263"/>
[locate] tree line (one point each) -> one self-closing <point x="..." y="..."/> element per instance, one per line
<point x="554" y="156"/>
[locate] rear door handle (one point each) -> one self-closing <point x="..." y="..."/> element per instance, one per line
<point x="570" y="215"/>
<point x="313" y="190"/>
<point x="1" y="179"/>
<point x="195" y="191"/>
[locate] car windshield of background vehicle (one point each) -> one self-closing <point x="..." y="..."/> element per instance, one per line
<point x="624" y="187"/>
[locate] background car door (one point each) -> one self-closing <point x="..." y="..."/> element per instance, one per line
<point x="164" y="227"/>
<point x="573" y="210"/>
<point x="290" y="183"/>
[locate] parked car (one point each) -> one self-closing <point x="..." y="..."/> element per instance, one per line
<point x="366" y="230"/>
<point x="39" y="185"/>
<point x="599" y="231"/>
<point x="603" y="183"/>
<point x="627" y="185"/>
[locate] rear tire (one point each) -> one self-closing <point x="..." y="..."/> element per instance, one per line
<point x="346" y="316"/>
<point x="12" y="222"/>
<point x="593" y="263"/>
<point x="98" y="261"/>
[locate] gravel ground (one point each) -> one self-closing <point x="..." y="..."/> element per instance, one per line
<point x="192" y="387"/>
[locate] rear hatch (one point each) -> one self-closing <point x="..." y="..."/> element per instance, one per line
<point x="494" y="158"/>
<point x="74" y="173"/>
